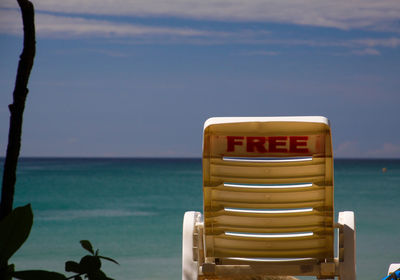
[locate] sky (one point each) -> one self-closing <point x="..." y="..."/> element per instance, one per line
<point x="127" y="78"/>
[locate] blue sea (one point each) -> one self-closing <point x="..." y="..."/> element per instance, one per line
<point x="132" y="210"/>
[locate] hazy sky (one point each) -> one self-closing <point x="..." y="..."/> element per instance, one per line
<point x="138" y="78"/>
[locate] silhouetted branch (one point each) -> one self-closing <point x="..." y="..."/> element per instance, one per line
<point x="17" y="108"/>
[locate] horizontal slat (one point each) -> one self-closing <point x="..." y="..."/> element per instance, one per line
<point x="214" y="180"/>
<point x="293" y="243"/>
<point x="303" y="204"/>
<point x="256" y="172"/>
<point x="220" y="196"/>
<point x="230" y="268"/>
<point x="222" y="221"/>
<point x="318" y="253"/>
<point x="267" y="261"/>
<point x="240" y="213"/>
<point x="299" y="247"/>
<point x="222" y="229"/>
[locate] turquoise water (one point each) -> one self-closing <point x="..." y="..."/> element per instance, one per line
<point x="132" y="209"/>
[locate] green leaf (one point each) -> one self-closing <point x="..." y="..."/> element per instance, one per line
<point x="87" y="246"/>
<point x="71" y="266"/>
<point x="108" y="259"/>
<point x="38" y="275"/>
<point x="14" y="230"/>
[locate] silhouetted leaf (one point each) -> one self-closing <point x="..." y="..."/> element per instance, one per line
<point x="71" y="266"/>
<point x="38" y="275"/>
<point x="90" y="263"/>
<point x="97" y="252"/>
<point x="98" y="275"/>
<point x="109" y="259"/>
<point x="14" y="230"/>
<point x="77" y="277"/>
<point x="9" y="270"/>
<point x="87" y="246"/>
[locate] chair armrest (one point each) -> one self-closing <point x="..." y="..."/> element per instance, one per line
<point x="189" y="253"/>
<point x="393" y="267"/>
<point x="347" y="245"/>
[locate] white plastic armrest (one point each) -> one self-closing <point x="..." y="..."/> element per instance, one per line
<point x="348" y="270"/>
<point x="189" y="265"/>
<point x="393" y="267"/>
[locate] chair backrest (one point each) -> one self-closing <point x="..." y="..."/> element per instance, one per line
<point x="268" y="188"/>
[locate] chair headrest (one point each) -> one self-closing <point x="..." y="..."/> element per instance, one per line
<point x="267" y="137"/>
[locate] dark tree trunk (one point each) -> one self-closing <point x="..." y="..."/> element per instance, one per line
<point x="17" y="108"/>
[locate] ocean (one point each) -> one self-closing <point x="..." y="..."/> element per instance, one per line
<point x="132" y="210"/>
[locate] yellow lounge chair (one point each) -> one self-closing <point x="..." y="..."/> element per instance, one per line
<point x="268" y="203"/>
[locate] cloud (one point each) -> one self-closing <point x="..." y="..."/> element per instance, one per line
<point x="62" y="27"/>
<point x="367" y="51"/>
<point x="388" y="150"/>
<point x="348" y="149"/>
<point x="351" y="149"/>
<point x="391" y="42"/>
<point x="260" y="53"/>
<point x="109" y="53"/>
<point x="343" y="14"/>
<point x="365" y="46"/>
<point x="105" y="52"/>
<point x="78" y="26"/>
